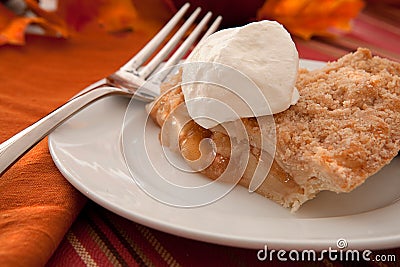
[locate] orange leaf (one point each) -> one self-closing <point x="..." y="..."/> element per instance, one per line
<point x="306" y="18"/>
<point x="53" y="24"/>
<point x="13" y="27"/>
<point x="7" y="27"/>
<point x="14" y="31"/>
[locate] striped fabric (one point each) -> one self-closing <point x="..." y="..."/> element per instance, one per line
<point x="376" y="28"/>
<point x="101" y="238"/>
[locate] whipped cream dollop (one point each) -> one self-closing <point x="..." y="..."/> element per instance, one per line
<point x="247" y="71"/>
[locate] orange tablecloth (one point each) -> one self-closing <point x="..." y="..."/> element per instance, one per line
<point x="38" y="206"/>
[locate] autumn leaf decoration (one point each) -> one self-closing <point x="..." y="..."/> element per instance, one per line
<point x="112" y="15"/>
<point x="307" y="18"/>
<point x="304" y="18"/>
<point x="13" y="27"/>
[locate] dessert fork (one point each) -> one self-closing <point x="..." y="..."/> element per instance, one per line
<point x="125" y="81"/>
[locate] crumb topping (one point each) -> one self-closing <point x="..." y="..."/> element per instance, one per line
<point x="347" y="118"/>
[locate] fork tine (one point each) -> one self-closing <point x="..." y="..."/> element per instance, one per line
<point x="164" y="52"/>
<point x="212" y="28"/>
<point x="152" y="45"/>
<point x="181" y="51"/>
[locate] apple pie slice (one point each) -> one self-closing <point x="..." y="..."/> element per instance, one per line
<point x="344" y="128"/>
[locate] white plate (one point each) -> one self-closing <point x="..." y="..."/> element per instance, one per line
<point x="87" y="150"/>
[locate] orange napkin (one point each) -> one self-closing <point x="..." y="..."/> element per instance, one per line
<point x="37" y="205"/>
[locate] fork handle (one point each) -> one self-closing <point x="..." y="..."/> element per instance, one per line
<point x="15" y="147"/>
